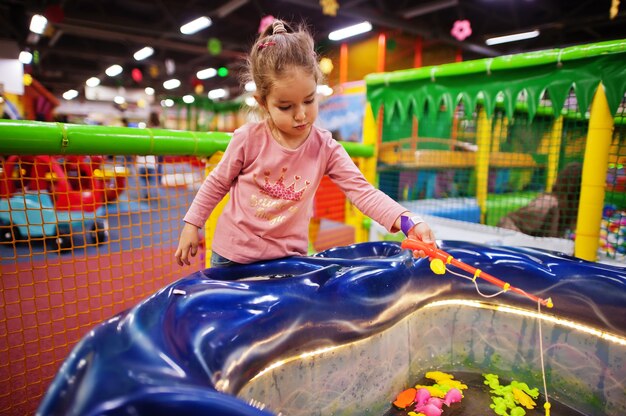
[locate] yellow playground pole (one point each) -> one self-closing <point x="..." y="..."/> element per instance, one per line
<point x="353" y="216"/>
<point x="593" y="179"/>
<point x="483" y="141"/>
<point x="554" y="147"/>
<point x="500" y="130"/>
<point x="370" y="137"/>
<point x="209" y="226"/>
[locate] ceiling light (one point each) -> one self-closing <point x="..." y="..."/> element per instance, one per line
<point x="195" y="25"/>
<point x="217" y="93"/>
<point x="250" y="86"/>
<point x="206" y="73"/>
<point x="354" y="30"/>
<point x="93" y="82"/>
<point x="38" y="24"/>
<point x="512" y="38"/>
<point x="170" y="84"/>
<point x="188" y="99"/>
<point x="70" y="94"/>
<point x="113" y="70"/>
<point x="149" y="91"/>
<point x="167" y="103"/>
<point x="118" y="99"/>
<point x="25" y="57"/>
<point x="250" y="101"/>
<point x="143" y="53"/>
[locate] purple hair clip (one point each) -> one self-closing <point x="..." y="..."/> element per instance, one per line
<point x="263" y="45"/>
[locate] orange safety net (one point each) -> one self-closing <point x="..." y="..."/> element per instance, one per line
<point x="82" y="238"/>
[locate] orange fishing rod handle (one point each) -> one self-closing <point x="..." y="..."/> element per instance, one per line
<point x="420" y="245"/>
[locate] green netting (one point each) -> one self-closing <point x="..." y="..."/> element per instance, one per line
<point x="488" y="141"/>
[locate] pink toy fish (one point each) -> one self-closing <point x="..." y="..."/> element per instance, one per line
<point x="452" y="396"/>
<point x="433" y="406"/>
<point x="427" y="405"/>
<point x="436" y="401"/>
<point x="430" y="410"/>
<point x="422" y="397"/>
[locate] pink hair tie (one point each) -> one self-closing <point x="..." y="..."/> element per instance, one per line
<point x="263" y="45"/>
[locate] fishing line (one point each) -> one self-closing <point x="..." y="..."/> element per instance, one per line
<point x="439" y="261"/>
<point x="476" y="285"/>
<point x="546" y="405"/>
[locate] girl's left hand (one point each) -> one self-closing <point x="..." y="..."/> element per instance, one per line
<point x="422" y="232"/>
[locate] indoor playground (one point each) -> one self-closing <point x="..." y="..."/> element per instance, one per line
<point x="512" y="314"/>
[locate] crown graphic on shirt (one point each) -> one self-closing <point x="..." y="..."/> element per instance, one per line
<point x="278" y="190"/>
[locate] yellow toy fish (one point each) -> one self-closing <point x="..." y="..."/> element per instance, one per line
<point x="523" y="398"/>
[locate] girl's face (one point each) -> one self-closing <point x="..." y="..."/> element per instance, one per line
<point x="292" y="106"/>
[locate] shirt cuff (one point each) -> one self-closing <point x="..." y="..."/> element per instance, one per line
<point x="407" y="222"/>
<point x="193" y="220"/>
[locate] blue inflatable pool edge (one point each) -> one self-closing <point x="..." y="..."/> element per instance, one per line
<point x="194" y="345"/>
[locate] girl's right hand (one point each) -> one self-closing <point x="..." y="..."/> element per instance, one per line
<point x="187" y="244"/>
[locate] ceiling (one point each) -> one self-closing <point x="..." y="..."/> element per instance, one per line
<point x="90" y="35"/>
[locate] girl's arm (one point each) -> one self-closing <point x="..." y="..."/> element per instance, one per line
<point x="373" y="202"/>
<point x="213" y="189"/>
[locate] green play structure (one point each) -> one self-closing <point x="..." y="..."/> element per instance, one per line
<point x="476" y="141"/>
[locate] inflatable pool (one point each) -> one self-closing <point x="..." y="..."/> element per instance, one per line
<point x="344" y="331"/>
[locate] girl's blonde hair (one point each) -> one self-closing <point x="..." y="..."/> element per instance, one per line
<point x="278" y="49"/>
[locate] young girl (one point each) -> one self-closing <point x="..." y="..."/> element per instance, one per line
<point x="272" y="168"/>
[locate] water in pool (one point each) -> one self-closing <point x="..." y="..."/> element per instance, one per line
<point x="477" y="399"/>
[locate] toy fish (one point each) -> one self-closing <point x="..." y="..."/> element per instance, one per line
<point x="405" y="398"/>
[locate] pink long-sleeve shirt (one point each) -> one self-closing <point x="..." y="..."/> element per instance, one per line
<point x="272" y="191"/>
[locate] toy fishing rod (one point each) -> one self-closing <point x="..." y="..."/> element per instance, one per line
<point x="439" y="258"/>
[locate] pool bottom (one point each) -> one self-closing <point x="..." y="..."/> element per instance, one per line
<point x="452" y="336"/>
<point x="477" y="399"/>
